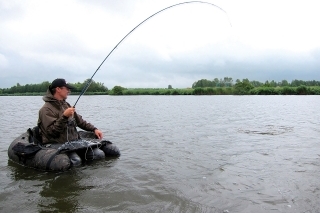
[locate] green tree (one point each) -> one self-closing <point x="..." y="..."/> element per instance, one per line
<point x="94" y="86"/>
<point x="243" y="87"/>
<point x="228" y="81"/>
<point x="284" y="83"/>
<point x="256" y="83"/>
<point x="117" y="90"/>
<point x="273" y="83"/>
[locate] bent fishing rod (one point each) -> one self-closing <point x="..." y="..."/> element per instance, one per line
<point x="188" y="2"/>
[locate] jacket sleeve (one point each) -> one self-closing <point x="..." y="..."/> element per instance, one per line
<point x="83" y="124"/>
<point x="52" y="126"/>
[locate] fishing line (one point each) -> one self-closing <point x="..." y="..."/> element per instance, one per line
<point x="188" y="2"/>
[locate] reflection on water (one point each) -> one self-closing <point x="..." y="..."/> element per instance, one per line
<point x="179" y="154"/>
<point x="54" y="197"/>
<point x="52" y="192"/>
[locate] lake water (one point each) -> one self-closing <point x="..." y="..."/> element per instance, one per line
<point x="178" y="154"/>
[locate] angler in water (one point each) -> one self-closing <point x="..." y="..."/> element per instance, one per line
<point x="58" y="120"/>
<point x="55" y="144"/>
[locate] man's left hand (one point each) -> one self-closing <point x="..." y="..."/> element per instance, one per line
<point x="98" y="133"/>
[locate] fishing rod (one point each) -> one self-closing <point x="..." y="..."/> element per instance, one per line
<point x="188" y="2"/>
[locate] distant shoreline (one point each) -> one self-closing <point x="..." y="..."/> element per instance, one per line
<point x="240" y="90"/>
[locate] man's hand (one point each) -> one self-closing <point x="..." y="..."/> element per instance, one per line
<point x="98" y="133"/>
<point x="69" y="112"/>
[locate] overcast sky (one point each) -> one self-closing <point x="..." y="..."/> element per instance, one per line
<point x="259" y="40"/>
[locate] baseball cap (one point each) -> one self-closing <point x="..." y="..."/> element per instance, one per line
<point x="60" y="82"/>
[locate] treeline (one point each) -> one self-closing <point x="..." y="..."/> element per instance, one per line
<point x="237" y="89"/>
<point x="228" y="82"/>
<point x="225" y="86"/>
<point x="225" y="82"/>
<point x="94" y="88"/>
<point x="118" y="90"/>
<point x="246" y="87"/>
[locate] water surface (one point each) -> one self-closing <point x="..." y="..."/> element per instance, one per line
<point x="179" y="154"/>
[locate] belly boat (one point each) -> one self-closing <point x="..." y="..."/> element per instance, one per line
<point x="26" y="150"/>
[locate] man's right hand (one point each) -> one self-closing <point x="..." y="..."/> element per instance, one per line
<point x="69" y="112"/>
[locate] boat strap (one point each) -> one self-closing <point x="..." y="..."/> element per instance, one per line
<point x="51" y="159"/>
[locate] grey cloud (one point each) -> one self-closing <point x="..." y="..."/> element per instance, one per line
<point x="137" y="62"/>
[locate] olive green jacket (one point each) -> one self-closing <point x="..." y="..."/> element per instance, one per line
<point x="54" y="126"/>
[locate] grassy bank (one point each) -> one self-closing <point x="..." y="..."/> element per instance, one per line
<point x="301" y="90"/>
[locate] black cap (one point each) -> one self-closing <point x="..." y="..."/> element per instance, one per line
<point x="60" y="82"/>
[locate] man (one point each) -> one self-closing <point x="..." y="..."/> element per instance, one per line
<point x="58" y="121"/>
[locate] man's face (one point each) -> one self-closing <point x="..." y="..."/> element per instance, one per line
<point x="63" y="92"/>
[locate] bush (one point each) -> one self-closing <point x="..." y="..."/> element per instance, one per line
<point x="288" y="90"/>
<point x="117" y="90"/>
<point x="166" y="92"/>
<point x="210" y="91"/>
<point x="302" y="90"/>
<point x="199" y="91"/>
<point x="155" y="92"/>
<point x="264" y="91"/>
<point x="127" y="92"/>
<point x="175" y="92"/>
<point x="314" y="91"/>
